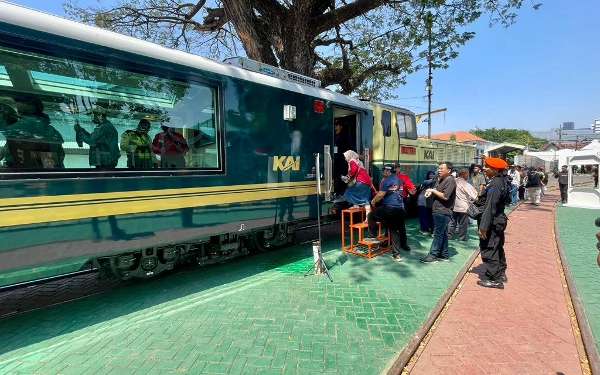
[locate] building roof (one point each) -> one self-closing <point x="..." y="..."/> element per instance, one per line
<point x="459" y="136"/>
<point x="570" y="145"/>
<point x="504" y="148"/>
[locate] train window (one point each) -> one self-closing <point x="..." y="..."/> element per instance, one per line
<point x="406" y="126"/>
<point x="61" y="114"/>
<point x="386" y="123"/>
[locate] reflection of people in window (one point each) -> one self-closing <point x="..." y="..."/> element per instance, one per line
<point x="137" y="144"/>
<point x="8" y="116"/>
<point x="103" y="141"/>
<point x="32" y="142"/>
<point x="171" y="147"/>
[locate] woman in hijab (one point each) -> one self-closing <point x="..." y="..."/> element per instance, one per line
<point x="358" y="194"/>
<point x="425" y="214"/>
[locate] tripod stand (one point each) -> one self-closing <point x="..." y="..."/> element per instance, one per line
<point x="319" y="265"/>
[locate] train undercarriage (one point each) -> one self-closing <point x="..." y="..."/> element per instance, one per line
<point x="149" y="262"/>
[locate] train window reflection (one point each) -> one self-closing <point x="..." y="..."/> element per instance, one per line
<point x="63" y="114"/>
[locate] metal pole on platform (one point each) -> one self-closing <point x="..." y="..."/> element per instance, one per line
<point x="319" y="265"/>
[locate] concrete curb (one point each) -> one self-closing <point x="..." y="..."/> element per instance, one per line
<point x="589" y="343"/>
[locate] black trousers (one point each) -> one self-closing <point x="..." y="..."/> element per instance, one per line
<point x="393" y="219"/>
<point x="522" y="193"/>
<point x="492" y="248"/>
<point x="563" y="192"/>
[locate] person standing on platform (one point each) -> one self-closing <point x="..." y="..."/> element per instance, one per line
<point x="493" y="224"/>
<point x="534" y="185"/>
<point x="515" y="182"/>
<point x="424" y="205"/>
<point x="408" y="187"/>
<point x="478" y="180"/>
<point x="443" y="204"/>
<point x="522" y="182"/>
<point x="391" y="212"/>
<point x="563" y="182"/>
<point x="465" y="193"/>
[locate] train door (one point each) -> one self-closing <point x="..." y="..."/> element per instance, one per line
<point x="347" y="135"/>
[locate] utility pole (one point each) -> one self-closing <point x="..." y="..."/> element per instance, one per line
<point x="428" y="86"/>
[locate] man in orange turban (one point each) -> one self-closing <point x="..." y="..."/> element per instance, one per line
<point x="493" y="224"/>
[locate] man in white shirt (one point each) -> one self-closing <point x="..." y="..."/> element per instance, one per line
<point x="465" y="193"/>
<point x="516" y="181"/>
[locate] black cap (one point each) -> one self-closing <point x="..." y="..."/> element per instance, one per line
<point x="389" y="167"/>
<point x="30" y="99"/>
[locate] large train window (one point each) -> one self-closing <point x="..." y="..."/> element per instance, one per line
<point x="406" y="126"/>
<point x="386" y="123"/>
<point x="61" y="114"/>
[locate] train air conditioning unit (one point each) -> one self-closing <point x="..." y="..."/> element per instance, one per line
<point x="273" y="71"/>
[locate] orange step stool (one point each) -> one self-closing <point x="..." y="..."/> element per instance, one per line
<point x="361" y="247"/>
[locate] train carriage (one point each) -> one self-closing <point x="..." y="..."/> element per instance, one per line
<point x="396" y="140"/>
<point x="239" y="173"/>
<point x="245" y="179"/>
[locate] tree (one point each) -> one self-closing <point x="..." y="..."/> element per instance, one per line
<point x="366" y="47"/>
<point x="518" y="136"/>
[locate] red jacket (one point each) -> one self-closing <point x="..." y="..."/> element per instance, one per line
<point x="165" y="143"/>
<point x="362" y="176"/>
<point x="407" y="184"/>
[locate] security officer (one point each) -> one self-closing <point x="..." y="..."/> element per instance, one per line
<point x="493" y="224"/>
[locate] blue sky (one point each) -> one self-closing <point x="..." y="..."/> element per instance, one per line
<point x="534" y="75"/>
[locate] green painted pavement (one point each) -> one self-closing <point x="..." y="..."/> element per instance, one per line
<point x="577" y="234"/>
<point x="254" y="315"/>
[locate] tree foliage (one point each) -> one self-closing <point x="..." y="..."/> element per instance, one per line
<point x="365" y="47"/>
<point x="518" y="136"/>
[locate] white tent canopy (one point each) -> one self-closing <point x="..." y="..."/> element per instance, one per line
<point x="586" y="197"/>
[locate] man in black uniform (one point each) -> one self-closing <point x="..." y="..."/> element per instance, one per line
<point x="493" y="224"/>
<point x="341" y="144"/>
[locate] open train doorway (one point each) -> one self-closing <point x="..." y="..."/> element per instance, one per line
<point x="347" y="131"/>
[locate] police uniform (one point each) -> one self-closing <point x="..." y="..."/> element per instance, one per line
<point x="493" y="221"/>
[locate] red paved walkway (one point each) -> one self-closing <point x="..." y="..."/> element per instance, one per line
<point x="523" y="329"/>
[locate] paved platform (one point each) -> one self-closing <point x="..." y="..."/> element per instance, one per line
<point x="262" y="315"/>
<point x="530" y="326"/>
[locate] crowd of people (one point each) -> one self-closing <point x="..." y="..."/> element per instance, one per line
<point x="33" y="143"/>
<point x="443" y="200"/>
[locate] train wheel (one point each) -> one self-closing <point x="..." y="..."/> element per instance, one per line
<point x="259" y="242"/>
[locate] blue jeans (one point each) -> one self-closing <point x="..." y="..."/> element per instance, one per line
<point x="439" y="245"/>
<point x="514" y="191"/>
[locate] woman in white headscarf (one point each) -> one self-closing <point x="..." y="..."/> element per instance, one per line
<point x="358" y="194"/>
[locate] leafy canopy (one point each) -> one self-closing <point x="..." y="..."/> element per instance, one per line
<point x="518" y="136"/>
<point x="365" y="47"/>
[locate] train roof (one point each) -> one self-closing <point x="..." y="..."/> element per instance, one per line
<point x="391" y="107"/>
<point x="28" y="18"/>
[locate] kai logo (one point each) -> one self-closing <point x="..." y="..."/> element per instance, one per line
<point x="286" y="163"/>
<point x="429" y="154"/>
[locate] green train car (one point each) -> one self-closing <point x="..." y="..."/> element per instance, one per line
<point x="135" y="157"/>
<point x="242" y="179"/>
